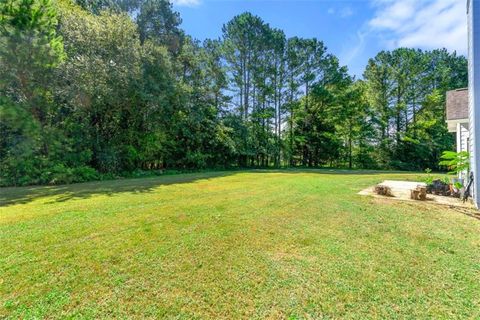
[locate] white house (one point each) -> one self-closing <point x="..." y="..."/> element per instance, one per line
<point x="463" y="105"/>
<point x="457" y="117"/>
<point x="457" y="120"/>
<point x="473" y="12"/>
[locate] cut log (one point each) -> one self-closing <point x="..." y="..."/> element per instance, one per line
<point x="383" y="190"/>
<point x="414" y="194"/>
<point x="422" y="196"/>
<point x="419" y="193"/>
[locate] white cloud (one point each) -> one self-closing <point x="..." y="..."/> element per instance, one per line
<point x="346" y="12"/>
<point x="186" y="3"/>
<point x="349" y="55"/>
<point x="342" y="12"/>
<point x="426" y="24"/>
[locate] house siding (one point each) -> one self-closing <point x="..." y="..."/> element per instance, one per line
<point x="474" y="91"/>
<point x="463" y="137"/>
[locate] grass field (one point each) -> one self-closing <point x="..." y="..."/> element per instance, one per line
<point x="253" y="244"/>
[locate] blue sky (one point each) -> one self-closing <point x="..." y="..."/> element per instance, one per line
<point x="352" y="30"/>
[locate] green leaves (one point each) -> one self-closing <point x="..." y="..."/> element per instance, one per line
<point x="456" y="162"/>
<point x="406" y="91"/>
<point x="116" y="86"/>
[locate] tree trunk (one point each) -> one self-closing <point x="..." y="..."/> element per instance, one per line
<point x="350" y="147"/>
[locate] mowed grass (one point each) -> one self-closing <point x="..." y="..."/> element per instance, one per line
<point x="254" y="244"/>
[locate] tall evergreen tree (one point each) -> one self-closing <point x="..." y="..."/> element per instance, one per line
<point x="114" y="87"/>
<point x="30" y="49"/>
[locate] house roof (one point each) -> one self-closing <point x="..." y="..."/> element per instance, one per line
<point x="457" y="104"/>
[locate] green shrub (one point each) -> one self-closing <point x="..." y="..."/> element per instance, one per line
<point x="57" y="174"/>
<point x="60" y="174"/>
<point x="84" y="173"/>
<point x="428" y="179"/>
<point x="456" y="162"/>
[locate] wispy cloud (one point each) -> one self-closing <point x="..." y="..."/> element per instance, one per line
<point x="341" y="12"/>
<point x="186" y="3"/>
<point x="353" y="51"/>
<point x="346" y="12"/>
<point x="426" y="24"/>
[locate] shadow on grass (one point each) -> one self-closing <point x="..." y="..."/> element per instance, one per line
<point x="335" y="171"/>
<point x="22" y="195"/>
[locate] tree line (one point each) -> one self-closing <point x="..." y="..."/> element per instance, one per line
<point x="93" y="88"/>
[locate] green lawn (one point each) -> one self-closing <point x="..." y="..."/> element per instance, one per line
<point x="253" y="244"/>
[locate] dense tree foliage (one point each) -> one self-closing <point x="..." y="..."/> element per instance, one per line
<point x="94" y="88"/>
<point x="406" y="89"/>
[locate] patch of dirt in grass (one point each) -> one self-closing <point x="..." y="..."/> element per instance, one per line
<point x="402" y="193"/>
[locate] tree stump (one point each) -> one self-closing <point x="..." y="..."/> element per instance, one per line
<point x="423" y="193"/>
<point x="419" y="193"/>
<point x="383" y="190"/>
<point x="414" y="194"/>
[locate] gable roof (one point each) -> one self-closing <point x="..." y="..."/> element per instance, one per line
<point x="457" y="104"/>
